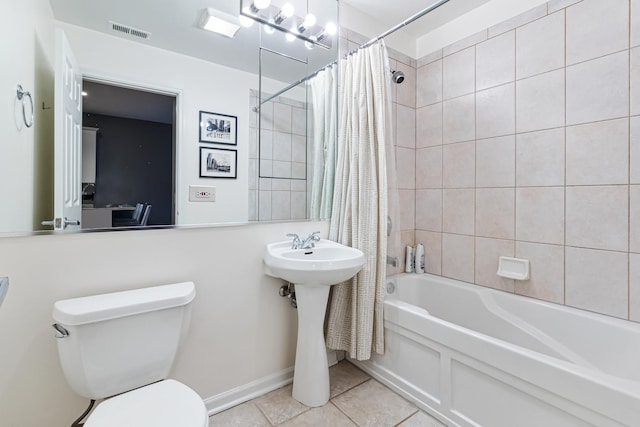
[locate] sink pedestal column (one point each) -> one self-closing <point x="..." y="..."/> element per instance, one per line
<point x="311" y="374"/>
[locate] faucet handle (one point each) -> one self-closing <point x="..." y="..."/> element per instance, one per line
<point x="296" y="240"/>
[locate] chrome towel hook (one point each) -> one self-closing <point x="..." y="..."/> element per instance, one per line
<point x="22" y="95"/>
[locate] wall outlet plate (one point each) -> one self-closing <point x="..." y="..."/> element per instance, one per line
<point x="201" y="193"/>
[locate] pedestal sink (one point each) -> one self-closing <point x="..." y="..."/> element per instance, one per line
<point x="312" y="271"/>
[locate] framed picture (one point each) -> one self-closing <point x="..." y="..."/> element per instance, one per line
<point x="218" y="128"/>
<point x="218" y="163"/>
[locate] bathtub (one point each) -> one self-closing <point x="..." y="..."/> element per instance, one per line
<point x="474" y="356"/>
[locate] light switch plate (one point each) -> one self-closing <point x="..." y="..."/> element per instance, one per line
<point x="201" y="193"/>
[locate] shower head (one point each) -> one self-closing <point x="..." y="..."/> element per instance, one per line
<point x="397" y="76"/>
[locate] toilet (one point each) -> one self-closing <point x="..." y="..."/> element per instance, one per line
<point x="120" y="347"/>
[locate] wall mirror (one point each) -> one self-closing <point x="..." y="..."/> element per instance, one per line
<point x="208" y="135"/>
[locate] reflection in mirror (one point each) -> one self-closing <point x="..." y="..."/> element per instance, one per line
<point x="169" y="52"/>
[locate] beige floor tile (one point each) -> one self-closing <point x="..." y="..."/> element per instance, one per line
<point x="327" y="415"/>
<point x="345" y="376"/>
<point x="372" y="404"/>
<point x="421" y="420"/>
<point x="243" y="415"/>
<point x="278" y="406"/>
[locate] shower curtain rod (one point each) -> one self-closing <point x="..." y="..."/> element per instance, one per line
<point x="365" y="45"/>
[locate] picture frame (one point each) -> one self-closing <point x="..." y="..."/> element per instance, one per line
<point x="218" y="163"/>
<point x="218" y="128"/>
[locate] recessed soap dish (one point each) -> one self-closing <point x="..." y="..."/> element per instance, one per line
<point x="513" y="268"/>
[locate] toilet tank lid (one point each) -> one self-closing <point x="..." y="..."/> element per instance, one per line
<point x="96" y="308"/>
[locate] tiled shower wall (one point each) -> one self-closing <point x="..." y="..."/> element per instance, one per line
<point x="280" y="191"/>
<point x="527" y="144"/>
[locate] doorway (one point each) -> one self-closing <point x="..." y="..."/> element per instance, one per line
<point x="135" y="149"/>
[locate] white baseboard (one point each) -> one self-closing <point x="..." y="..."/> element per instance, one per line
<point x="264" y="385"/>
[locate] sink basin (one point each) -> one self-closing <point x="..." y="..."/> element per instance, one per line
<point x="328" y="263"/>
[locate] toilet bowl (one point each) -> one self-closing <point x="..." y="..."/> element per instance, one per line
<point x="167" y="403"/>
<point x="121" y="347"/>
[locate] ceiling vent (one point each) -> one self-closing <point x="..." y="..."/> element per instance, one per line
<point x="129" y="31"/>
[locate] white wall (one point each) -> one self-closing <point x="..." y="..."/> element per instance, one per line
<point x="241" y="329"/>
<point x="24" y="61"/>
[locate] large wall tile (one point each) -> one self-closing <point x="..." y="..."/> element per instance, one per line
<point x="407" y="202"/>
<point x="597" y="281"/>
<point x="432" y="250"/>
<point x="280" y="205"/>
<point x="598" y="153"/>
<point x="540" y="214"/>
<point x="495" y="215"/>
<point x="406" y="167"/>
<point x="488" y="252"/>
<point x="406" y="92"/>
<point x="540" y="158"/>
<point x="495" y="61"/>
<point x="540" y="102"/>
<point x="458" y="165"/>
<point x="429" y="125"/>
<point x="634" y="215"/>
<point x="429" y="167"/>
<point x="495" y="111"/>
<point x="598" y="89"/>
<point x="634" y="79"/>
<point x="458" y="209"/>
<point x="634" y="287"/>
<point x="547" y="271"/>
<point x="406" y="123"/>
<point x="282" y="146"/>
<point x="459" y="73"/>
<point x="537" y="47"/>
<point x="282" y="117"/>
<point x="458" y="257"/>
<point x="635" y="23"/>
<point x="459" y="119"/>
<point x="634" y="150"/>
<point x="495" y="162"/>
<point x="429" y="210"/>
<point x="596" y="28"/>
<point x="429" y="84"/>
<point x="597" y="217"/>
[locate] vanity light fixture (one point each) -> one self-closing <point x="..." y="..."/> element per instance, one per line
<point x="210" y="22"/>
<point x="284" y="19"/>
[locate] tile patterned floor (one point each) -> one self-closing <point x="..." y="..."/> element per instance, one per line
<point x="356" y="400"/>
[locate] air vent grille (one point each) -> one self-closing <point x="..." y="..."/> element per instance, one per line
<point x="130" y="31"/>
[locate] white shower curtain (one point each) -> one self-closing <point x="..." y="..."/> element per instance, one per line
<point x="359" y="214"/>
<point x="325" y="117"/>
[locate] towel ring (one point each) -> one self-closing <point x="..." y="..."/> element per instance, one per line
<point x="22" y="95"/>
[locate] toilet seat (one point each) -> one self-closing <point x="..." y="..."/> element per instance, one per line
<point x="167" y="403"/>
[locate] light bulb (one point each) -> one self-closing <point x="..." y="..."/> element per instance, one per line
<point x="262" y="4"/>
<point x="331" y="28"/>
<point x="268" y="29"/>
<point x="244" y="21"/>
<point x="309" y="20"/>
<point x="287" y="10"/>
<point x="290" y="37"/>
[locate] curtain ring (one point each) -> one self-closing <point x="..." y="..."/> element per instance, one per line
<point x="22" y="94"/>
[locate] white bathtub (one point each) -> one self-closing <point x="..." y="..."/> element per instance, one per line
<point x="473" y="356"/>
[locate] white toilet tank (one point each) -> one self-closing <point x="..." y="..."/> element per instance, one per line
<point x="112" y="343"/>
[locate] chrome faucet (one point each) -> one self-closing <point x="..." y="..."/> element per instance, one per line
<point x="295" y="244"/>
<point x="309" y="242"/>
